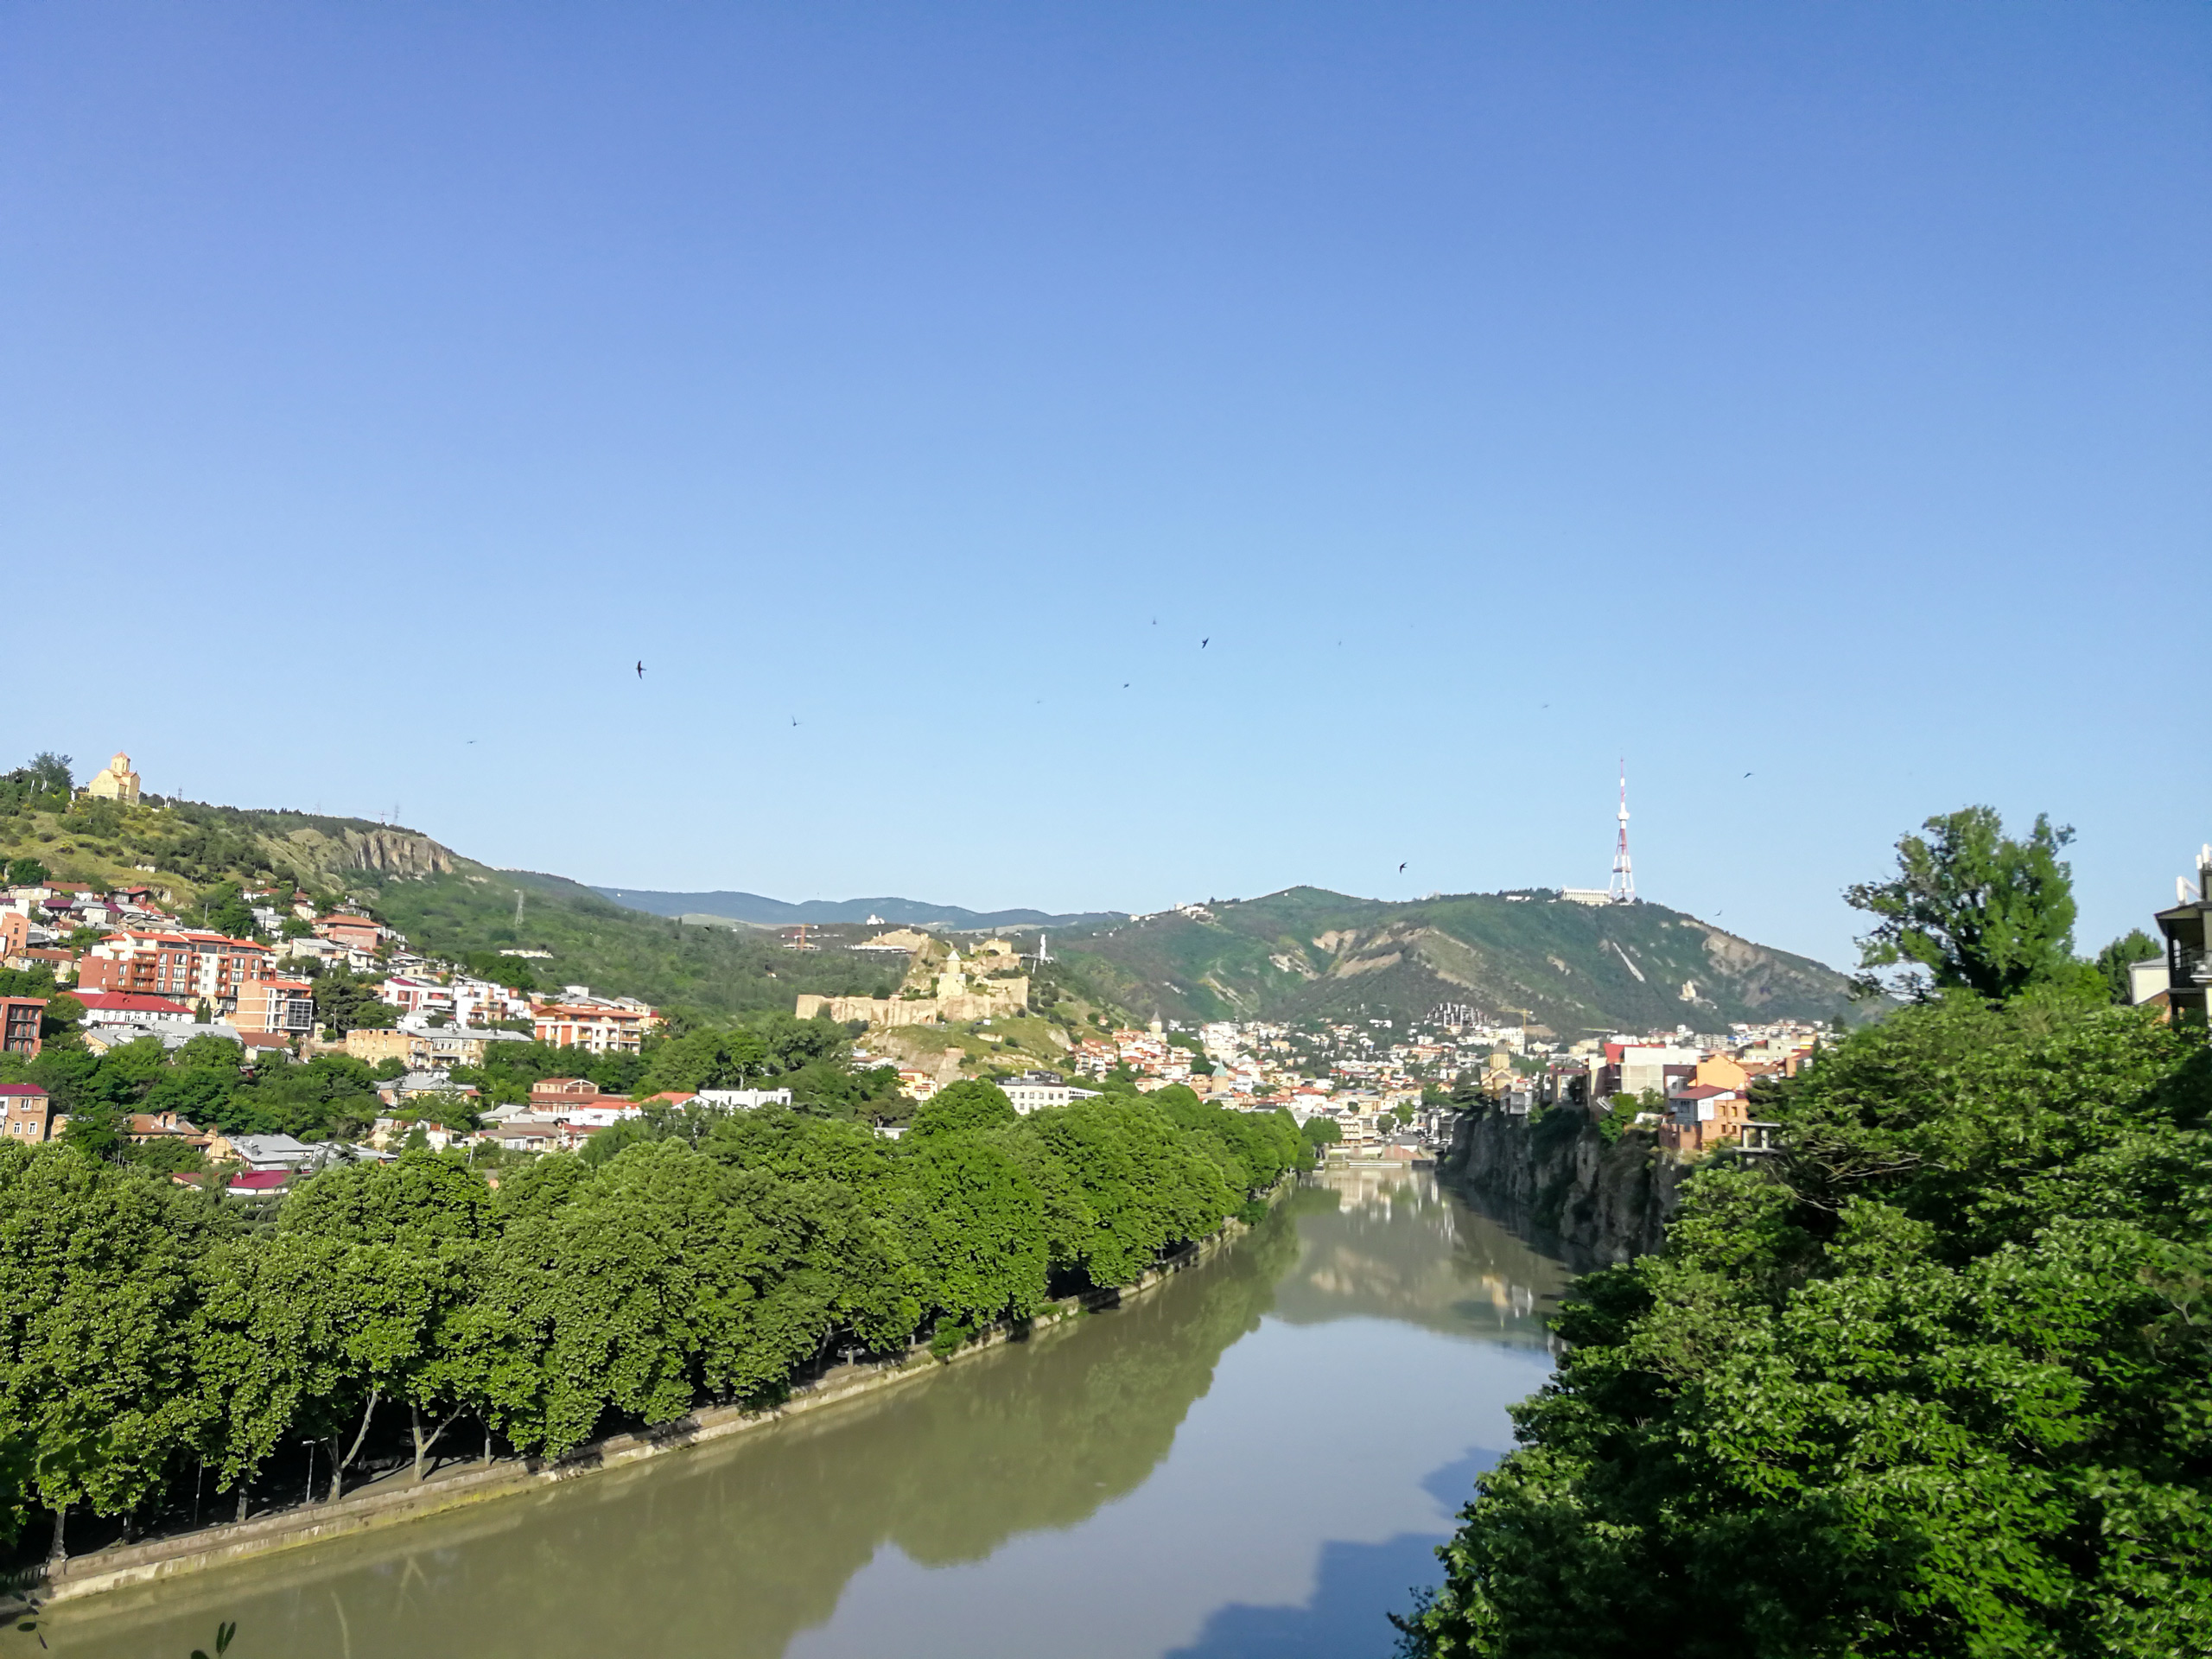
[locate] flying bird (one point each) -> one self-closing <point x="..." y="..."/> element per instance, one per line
<point x="641" y="670"/>
<point x="1747" y="774"/>
<point x="794" y="720"/>
<point x="1402" y="869"/>
<point x="1204" y="643"/>
<point x="1125" y="685"/>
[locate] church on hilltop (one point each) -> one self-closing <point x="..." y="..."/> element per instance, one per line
<point x="114" y="782"/>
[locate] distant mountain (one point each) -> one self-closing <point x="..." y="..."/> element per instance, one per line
<point x="776" y="913"/>
<point x="1581" y="968"/>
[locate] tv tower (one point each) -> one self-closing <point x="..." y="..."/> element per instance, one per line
<point x="1621" y="890"/>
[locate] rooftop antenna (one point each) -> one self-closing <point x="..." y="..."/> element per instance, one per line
<point x="1621" y="890"/>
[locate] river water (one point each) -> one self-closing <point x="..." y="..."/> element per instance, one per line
<point x="1256" y="1459"/>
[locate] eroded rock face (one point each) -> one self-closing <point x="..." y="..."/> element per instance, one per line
<point x="1601" y="1203"/>
<point x="396" y="852"/>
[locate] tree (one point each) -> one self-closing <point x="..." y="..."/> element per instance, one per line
<point x="226" y="912"/>
<point x="962" y="1106"/>
<point x="98" y="1269"/>
<point x="1945" y="1380"/>
<point x="51" y="772"/>
<point x="26" y="873"/>
<point x="973" y="1228"/>
<point x="1970" y="908"/>
<point x="2112" y="961"/>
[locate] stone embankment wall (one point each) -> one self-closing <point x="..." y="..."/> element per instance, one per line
<point x="1603" y="1204"/>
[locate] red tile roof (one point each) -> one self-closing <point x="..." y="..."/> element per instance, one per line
<point x="128" y="1002"/>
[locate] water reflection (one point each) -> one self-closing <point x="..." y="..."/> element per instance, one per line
<point x="1205" y="1480"/>
<point x="1390" y="1244"/>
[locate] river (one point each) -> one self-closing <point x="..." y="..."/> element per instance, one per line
<point x="1256" y="1459"/>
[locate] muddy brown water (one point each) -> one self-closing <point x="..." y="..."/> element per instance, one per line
<point x="1259" y="1458"/>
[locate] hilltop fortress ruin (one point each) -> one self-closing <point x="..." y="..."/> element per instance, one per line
<point x="940" y="985"/>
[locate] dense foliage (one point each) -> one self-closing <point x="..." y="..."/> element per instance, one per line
<point x="1972" y="908"/>
<point x="150" y="1336"/>
<point x="1939" y="1384"/>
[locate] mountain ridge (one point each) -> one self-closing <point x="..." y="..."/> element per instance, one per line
<point x="1306" y="952"/>
<point x="756" y="909"/>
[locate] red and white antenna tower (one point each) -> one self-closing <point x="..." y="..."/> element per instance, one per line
<point x="1622" y="889"/>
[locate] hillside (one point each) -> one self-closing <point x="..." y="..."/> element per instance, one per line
<point x="1301" y="952"/>
<point x="1580" y="969"/>
<point x="750" y="907"/>
<point x="448" y="904"/>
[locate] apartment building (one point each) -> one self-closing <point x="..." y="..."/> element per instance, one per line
<point x="602" y="1025"/>
<point x="180" y="962"/>
<point x="21" y="1018"/>
<point x="282" y="1007"/>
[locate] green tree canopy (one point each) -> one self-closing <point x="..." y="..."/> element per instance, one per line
<point x="1971" y="908"/>
<point x="2114" y="960"/>
<point x="1939" y="1385"/>
<point x="962" y="1106"/>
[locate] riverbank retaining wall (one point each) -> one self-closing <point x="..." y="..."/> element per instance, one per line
<point x="391" y="1501"/>
<point x="1603" y="1204"/>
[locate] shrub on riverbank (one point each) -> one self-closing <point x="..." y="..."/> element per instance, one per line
<point x="1941" y="1383"/>
<point x="149" y="1338"/>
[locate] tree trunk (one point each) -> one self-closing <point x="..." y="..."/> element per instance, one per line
<point x="340" y="1465"/>
<point x="59" y="1552"/>
<point x="423" y="1447"/>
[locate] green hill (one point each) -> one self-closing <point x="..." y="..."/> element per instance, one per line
<point x="1580" y="969"/>
<point x="447" y="905"/>
<point x="1301" y="952"/>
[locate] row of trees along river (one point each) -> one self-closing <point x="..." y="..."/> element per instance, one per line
<point x="157" y="1353"/>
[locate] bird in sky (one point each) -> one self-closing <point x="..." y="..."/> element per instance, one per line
<point x="1402" y="869"/>
<point x="1125" y="685"/>
<point x="794" y="720"/>
<point x="641" y="670"/>
<point x="1204" y="643"/>
<point x="1747" y="774"/>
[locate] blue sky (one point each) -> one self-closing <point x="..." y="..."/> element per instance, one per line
<point x="1818" y="392"/>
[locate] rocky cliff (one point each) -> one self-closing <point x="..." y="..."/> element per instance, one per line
<point x="1558" y="1179"/>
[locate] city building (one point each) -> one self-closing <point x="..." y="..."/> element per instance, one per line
<point x="180" y="962"/>
<point x="603" y="1025"/>
<point x="280" y="1006"/>
<point x="2188" y="969"/>
<point x="1033" y="1090"/>
<point x="26" y="1113"/>
<point x="21" y="1018"/>
<point x="354" y="932"/>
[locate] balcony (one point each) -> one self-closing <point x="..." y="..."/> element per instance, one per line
<point x="2187" y="968"/>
